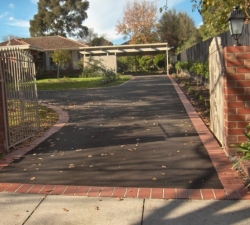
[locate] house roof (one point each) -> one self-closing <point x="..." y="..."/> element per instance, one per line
<point x="45" y="43"/>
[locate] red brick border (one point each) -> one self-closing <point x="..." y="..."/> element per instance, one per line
<point x="233" y="187"/>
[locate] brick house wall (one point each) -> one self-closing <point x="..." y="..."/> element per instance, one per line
<point x="236" y="95"/>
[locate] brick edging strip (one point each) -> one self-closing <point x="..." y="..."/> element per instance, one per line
<point x="233" y="187"/>
<point x="122" y="192"/>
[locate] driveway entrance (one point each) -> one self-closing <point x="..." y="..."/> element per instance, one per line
<point x="134" y="135"/>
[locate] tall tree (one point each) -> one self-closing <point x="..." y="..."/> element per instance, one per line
<point x="178" y="30"/>
<point x="100" y="41"/>
<point x="139" y="22"/>
<point x="60" y="17"/>
<point x="215" y="13"/>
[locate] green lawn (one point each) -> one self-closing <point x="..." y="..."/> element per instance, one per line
<point x="76" y="83"/>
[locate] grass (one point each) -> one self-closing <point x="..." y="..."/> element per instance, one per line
<point x="76" y="83"/>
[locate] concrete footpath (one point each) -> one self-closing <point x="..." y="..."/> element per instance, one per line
<point x="32" y="209"/>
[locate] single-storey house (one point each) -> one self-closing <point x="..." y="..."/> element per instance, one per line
<point x="41" y="48"/>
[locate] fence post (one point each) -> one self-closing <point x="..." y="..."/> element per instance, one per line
<point x="2" y="124"/>
<point x="236" y="95"/>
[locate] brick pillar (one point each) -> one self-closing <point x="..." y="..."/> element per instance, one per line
<point x="2" y="130"/>
<point x="236" y="94"/>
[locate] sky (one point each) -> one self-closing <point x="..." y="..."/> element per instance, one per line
<point x="103" y="16"/>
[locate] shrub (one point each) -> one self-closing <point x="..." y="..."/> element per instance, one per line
<point x="109" y="76"/>
<point x="244" y="148"/>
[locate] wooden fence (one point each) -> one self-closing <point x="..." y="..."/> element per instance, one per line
<point x="200" y="51"/>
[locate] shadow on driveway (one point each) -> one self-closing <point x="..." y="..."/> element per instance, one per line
<point x="134" y="135"/>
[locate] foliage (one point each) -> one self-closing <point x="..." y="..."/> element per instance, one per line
<point x="146" y="63"/>
<point x="183" y="65"/>
<point x="244" y="148"/>
<point x="139" y="22"/>
<point x="95" y="68"/>
<point x="159" y="61"/>
<point x="60" y="17"/>
<point x="100" y="41"/>
<point x="197" y="68"/>
<point x="215" y="12"/>
<point x="87" y="39"/>
<point x="206" y="32"/>
<point x="178" y="30"/>
<point x="59" y="57"/>
<point x="122" y="64"/>
<point x="109" y="76"/>
<point x="201" y="69"/>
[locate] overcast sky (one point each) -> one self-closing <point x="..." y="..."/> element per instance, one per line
<point x="102" y="16"/>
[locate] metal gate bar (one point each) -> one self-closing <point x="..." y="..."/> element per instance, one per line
<point x="21" y="95"/>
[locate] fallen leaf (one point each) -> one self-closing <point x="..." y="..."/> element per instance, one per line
<point x="190" y="182"/>
<point x="119" y="199"/>
<point x="65" y="210"/>
<point x="32" y="178"/>
<point x="130" y="150"/>
<point x="163" y="166"/>
<point x="122" y="146"/>
<point x="71" y="166"/>
<point x="78" y="150"/>
<point x="37" y="168"/>
<point x="40" y="158"/>
<point x="163" y="174"/>
<point x="91" y="166"/>
<point x="111" y="153"/>
<point x="90" y="156"/>
<point x="96" y="208"/>
<point x="154" y="178"/>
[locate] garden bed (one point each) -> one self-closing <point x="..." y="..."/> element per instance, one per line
<point x="198" y="95"/>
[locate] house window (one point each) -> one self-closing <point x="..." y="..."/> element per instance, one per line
<point x="52" y="65"/>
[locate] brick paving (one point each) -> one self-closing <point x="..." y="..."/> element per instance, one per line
<point x="233" y="187"/>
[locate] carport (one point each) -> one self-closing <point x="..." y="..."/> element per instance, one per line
<point x="109" y="53"/>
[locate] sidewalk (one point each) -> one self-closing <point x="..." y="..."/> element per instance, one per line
<point x="23" y="209"/>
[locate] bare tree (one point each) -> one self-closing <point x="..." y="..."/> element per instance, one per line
<point x="9" y="37"/>
<point x="138" y="22"/>
<point x="88" y="38"/>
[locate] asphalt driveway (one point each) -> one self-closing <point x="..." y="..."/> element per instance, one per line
<point x="134" y="135"/>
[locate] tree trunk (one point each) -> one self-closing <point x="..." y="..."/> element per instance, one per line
<point x="58" y="68"/>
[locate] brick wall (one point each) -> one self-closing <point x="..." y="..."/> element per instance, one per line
<point x="2" y="133"/>
<point x="236" y="94"/>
